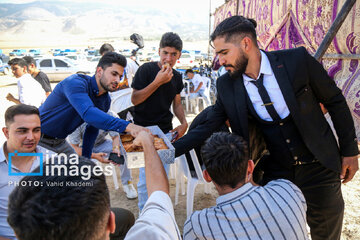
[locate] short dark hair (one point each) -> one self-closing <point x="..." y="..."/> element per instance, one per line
<point x="189" y="71"/>
<point x="40" y="211"/>
<point x="235" y="25"/>
<point x="171" y="39"/>
<point x="112" y="57"/>
<point x="29" y="60"/>
<point x="19" y="109"/>
<point x="105" y="48"/>
<point x="225" y="157"/>
<point x="18" y="61"/>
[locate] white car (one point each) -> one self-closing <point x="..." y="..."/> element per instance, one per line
<point x="155" y="58"/>
<point x="59" y="68"/>
<point x="185" y="61"/>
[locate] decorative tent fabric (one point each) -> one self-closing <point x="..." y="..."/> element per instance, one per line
<point x="293" y="23"/>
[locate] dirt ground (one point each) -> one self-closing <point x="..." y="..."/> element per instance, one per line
<point x="351" y="191"/>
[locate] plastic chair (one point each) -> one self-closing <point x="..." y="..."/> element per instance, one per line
<point x="192" y="181"/>
<point x="207" y="95"/>
<point x="186" y="93"/>
<point x="114" y="176"/>
<point x="181" y="173"/>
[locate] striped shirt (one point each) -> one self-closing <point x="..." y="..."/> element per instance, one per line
<point x="275" y="211"/>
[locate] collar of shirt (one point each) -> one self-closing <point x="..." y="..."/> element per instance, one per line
<point x="2" y="154"/>
<point x="265" y="68"/>
<point x="94" y="86"/>
<point x="243" y="190"/>
<point x="35" y="163"/>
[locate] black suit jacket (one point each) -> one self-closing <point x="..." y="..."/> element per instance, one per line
<point x="304" y="84"/>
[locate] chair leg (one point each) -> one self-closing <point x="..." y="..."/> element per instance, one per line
<point x="115" y="179"/>
<point x="177" y="180"/>
<point x="192" y="182"/>
<point x="172" y="171"/>
<point x="182" y="184"/>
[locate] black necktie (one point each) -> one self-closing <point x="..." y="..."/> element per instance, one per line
<point x="266" y="99"/>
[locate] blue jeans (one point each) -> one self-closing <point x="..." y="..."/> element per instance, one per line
<point x="200" y="93"/>
<point x="106" y="147"/>
<point x="141" y="186"/>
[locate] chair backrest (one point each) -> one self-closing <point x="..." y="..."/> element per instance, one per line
<point x="197" y="166"/>
<point x="207" y="83"/>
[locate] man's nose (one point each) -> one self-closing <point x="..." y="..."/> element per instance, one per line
<point x="221" y="60"/>
<point x="30" y="135"/>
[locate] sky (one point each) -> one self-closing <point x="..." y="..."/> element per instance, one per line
<point x="195" y="6"/>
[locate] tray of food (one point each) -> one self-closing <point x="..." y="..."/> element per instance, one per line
<point x="134" y="155"/>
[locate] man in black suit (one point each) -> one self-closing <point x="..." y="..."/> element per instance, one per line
<point x="280" y="93"/>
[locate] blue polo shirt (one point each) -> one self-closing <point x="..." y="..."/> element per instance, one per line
<point x="74" y="101"/>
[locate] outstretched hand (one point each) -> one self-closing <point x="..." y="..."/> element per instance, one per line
<point x="134" y="129"/>
<point x="142" y="138"/>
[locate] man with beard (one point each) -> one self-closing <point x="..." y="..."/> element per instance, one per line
<point x="280" y="93"/>
<point x="81" y="98"/>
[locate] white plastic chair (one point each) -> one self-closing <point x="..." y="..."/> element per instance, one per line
<point x="186" y="93"/>
<point x="192" y="182"/>
<point x="207" y="94"/>
<point x="114" y="176"/>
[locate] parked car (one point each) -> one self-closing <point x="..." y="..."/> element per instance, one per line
<point x="4" y="58"/>
<point x="58" y="68"/>
<point x="18" y="52"/>
<point x="77" y="58"/>
<point x="185" y="61"/>
<point x="4" y="68"/>
<point x="147" y="57"/>
<point x="34" y="52"/>
<point x="155" y="58"/>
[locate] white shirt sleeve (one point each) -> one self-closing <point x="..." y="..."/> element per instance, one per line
<point x="131" y="68"/>
<point x="157" y="220"/>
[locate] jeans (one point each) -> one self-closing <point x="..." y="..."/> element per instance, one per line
<point x="141" y="186"/>
<point x="57" y="145"/>
<point x="106" y="147"/>
<point x="200" y="93"/>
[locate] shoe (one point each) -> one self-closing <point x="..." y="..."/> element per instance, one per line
<point x="130" y="191"/>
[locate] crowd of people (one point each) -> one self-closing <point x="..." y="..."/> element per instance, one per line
<point x="265" y="145"/>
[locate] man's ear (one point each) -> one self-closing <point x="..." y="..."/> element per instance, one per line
<point x="206" y="176"/>
<point x="6" y="132"/>
<point x="111" y="223"/>
<point x="99" y="70"/>
<point x="250" y="168"/>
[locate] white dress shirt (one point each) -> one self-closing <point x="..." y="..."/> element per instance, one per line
<point x="157" y="220"/>
<point x="7" y="185"/>
<point x="121" y="99"/>
<point x="272" y="87"/>
<point x="30" y="91"/>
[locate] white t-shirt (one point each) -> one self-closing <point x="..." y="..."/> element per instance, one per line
<point x="157" y="220"/>
<point x="196" y="80"/>
<point x="30" y="91"/>
<point x="121" y="99"/>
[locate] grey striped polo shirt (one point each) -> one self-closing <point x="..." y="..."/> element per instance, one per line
<point x="275" y="211"/>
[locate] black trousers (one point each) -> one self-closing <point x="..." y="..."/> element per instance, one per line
<point x="322" y="190"/>
<point x="124" y="220"/>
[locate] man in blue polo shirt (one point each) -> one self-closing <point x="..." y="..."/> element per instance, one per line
<point x="81" y="98"/>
